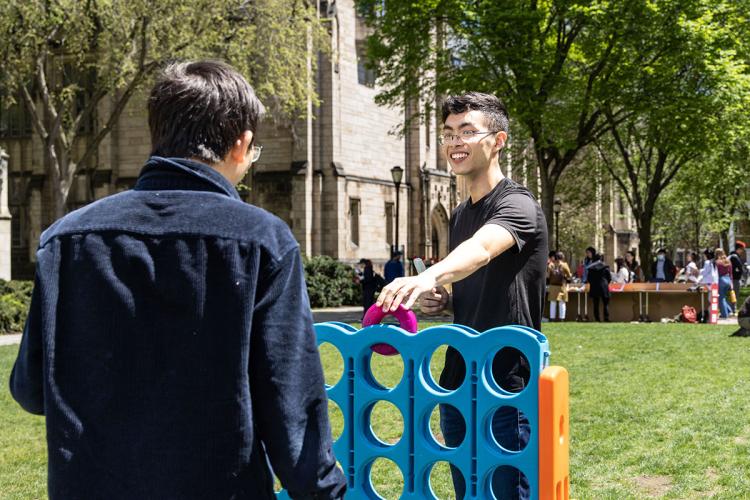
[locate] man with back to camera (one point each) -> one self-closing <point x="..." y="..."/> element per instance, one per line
<point x="497" y="264"/>
<point x="169" y="342"/>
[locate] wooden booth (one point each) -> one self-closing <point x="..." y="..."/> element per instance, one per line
<point x="638" y="301"/>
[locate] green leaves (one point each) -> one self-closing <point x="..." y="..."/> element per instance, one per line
<point x="65" y="56"/>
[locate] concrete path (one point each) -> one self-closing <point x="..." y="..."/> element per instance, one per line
<point x="14" y="338"/>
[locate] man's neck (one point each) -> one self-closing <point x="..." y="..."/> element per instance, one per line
<point x="485" y="182"/>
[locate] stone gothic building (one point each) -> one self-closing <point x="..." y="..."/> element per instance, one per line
<point x="329" y="178"/>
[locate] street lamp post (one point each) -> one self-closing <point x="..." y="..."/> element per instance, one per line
<point x="557" y="208"/>
<point x="397" y="174"/>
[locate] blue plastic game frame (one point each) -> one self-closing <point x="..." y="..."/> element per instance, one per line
<point x="417" y="394"/>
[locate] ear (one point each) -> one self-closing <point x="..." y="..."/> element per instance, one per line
<point x="500" y="139"/>
<point x="240" y="147"/>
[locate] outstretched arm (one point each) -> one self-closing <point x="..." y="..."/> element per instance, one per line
<point x="487" y="243"/>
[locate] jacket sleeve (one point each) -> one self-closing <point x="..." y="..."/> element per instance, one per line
<point x="290" y="406"/>
<point x="27" y="377"/>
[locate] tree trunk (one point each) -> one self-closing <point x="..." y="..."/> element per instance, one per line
<point x="547" y="201"/>
<point x="645" y="243"/>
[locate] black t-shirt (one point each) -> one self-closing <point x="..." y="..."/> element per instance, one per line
<point x="510" y="289"/>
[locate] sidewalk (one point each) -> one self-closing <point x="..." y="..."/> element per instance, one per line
<point x="14" y="338"/>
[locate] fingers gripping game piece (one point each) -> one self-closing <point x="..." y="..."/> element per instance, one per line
<point x="406" y="319"/>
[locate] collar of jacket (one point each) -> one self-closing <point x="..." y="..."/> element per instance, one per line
<point x="182" y="174"/>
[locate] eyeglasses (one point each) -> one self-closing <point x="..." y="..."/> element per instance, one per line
<point x="464" y="136"/>
<point x="256" y="153"/>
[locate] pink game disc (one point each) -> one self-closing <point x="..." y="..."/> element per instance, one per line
<point x="406" y="319"/>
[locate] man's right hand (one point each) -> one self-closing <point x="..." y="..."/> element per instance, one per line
<point x="434" y="301"/>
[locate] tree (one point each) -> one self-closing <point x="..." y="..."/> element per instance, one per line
<point x="687" y="105"/>
<point x="553" y="62"/>
<point x="64" y="59"/>
<point x="706" y="197"/>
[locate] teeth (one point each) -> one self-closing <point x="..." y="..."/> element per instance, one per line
<point x="459" y="156"/>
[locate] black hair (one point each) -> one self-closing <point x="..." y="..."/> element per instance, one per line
<point x="559" y="256"/>
<point x="708" y="253"/>
<point x="199" y="109"/>
<point x="592" y="250"/>
<point x="495" y="112"/>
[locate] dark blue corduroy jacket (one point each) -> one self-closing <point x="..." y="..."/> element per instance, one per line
<point x="170" y="346"/>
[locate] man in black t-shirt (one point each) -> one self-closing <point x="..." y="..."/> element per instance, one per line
<point x="497" y="264"/>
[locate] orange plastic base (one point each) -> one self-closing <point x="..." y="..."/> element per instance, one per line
<point x="554" y="479"/>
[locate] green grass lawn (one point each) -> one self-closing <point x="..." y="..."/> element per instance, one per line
<point x="656" y="411"/>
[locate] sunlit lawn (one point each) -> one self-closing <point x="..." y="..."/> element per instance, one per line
<point x="656" y="411"/>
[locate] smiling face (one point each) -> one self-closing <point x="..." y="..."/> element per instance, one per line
<point x="472" y="154"/>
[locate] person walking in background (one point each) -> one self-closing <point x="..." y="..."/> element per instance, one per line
<point x="599" y="277"/>
<point x="636" y="273"/>
<point x="394" y="268"/>
<point x="170" y="342"/>
<point x="623" y="273"/>
<point x="663" y="269"/>
<point x="724" y="269"/>
<point x="558" y="274"/>
<point x="369" y="283"/>
<point x="737" y="258"/>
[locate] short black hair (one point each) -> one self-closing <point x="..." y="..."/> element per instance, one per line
<point x="492" y="107"/>
<point x="198" y="109"/>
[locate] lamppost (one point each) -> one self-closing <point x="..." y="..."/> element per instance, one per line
<point x="557" y="208"/>
<point x="396" y="174"/>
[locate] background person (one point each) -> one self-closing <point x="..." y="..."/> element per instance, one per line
<point x="623" y="273"/>
<point x="394" y="268"/>
<point x="559" y="275"/>
<point x="737" y="258"/>
<point x="587" y="260"/>
<point x="369" y="283"/>
<point x="636" y="273"/>
<point x="692" y="273"/>
<point x="724" y="269"/>
<point x="169" y="341"/>
<point x="709" y="272"/>
<point x="599" y="279"/>
<point x="663" y="269"/>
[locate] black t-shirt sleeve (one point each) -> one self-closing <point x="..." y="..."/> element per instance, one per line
<point x="516" y="212"/>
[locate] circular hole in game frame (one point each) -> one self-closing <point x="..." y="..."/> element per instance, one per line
<point x="506" y="480"/>
<point x="455" y="375"/>
<point x="336" y="418"/>
<point x="441" y="481"/>
<point x="510" y="370"/>
<point x="333" y="363"/>
<point x="455" y="421"/>
<point x="510" y="429"/>
<point x="387" y="371"/>
<point x="386" y="422"/>
<point x="386" y="479"/>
